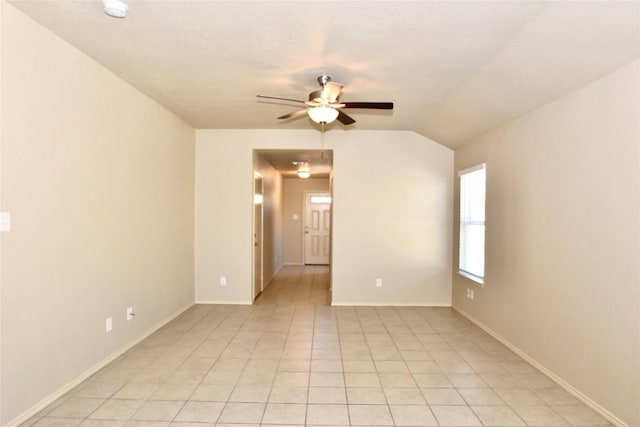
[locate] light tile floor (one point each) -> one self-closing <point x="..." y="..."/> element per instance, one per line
<point x="292" y="360"/>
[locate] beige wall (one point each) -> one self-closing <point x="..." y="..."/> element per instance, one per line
<point x="272" y="206"/>
<point x="562" y="280"/>
<point x="99" y="182"/>
<point x="294" y="189"/>
<point x="392" y="214"/>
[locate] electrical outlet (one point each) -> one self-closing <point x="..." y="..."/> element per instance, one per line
<point x="130" y="313"/>
<point x="223" y="281"/>
<point x="471" y="294"/>
<point x="109" y="324"/>
<point x="378" y="283"/>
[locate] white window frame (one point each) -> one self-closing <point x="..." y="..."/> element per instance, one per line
<point x="471" y="259"/>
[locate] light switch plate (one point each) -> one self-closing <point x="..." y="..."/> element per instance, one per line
<point x="5" y="222"/>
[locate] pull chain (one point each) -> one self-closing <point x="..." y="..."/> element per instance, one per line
<point x="322" y="141"/>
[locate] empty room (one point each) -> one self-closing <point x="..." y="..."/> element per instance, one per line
<point x="319" y="213"/>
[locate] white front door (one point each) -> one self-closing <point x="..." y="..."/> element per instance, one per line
<point x="317" y="228"/>
<point x="257" y="236"/>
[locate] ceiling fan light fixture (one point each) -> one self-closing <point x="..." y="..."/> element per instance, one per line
<point x="323" y="114"/>
<point x="115" y="8"/>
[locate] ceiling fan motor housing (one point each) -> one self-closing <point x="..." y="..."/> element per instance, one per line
<point x="315" y="96"/>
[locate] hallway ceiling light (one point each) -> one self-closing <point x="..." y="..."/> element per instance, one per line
<point x="303" y="169"/>
<point x="115" y="8"/>
<point x="304" y="174"/>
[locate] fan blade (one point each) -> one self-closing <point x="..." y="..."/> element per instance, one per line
<point x="345" y="119"/>
<point x="374" y="105"/>
<point x="279" y="98"/>
<point x="331" y="91"/>
<point x="295" y="114"/>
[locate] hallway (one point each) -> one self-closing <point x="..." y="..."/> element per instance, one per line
<point x="298" y="284"/>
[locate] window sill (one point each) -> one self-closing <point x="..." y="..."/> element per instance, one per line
<point x="476" y="279"/>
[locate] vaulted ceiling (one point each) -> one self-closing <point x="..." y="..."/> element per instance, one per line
<point x="453" y="69"/>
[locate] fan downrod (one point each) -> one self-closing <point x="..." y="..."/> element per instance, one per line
<point x="324" y="79"/>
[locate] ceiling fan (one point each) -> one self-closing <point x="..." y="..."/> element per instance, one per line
<point x="324" y="106"/>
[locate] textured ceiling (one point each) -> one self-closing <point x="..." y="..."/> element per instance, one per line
<point x="453" y="69"/>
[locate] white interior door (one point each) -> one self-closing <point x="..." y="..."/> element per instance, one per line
<point x="257" y="236"/>
<point x="317" y="228"/>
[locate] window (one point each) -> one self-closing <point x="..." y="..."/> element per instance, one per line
<point x="472" y="198"/>
<point x="320" y="199"/>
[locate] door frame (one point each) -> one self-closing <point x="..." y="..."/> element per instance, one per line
<point x="260" y="238"/>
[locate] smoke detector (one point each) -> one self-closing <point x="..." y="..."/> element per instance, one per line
<point x="115" y="8"/>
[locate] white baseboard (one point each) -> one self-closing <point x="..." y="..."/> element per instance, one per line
<point x="562" y="383"/>
<point x="215" y="302"/>
<point x="386" y="304"/>
<point x="89" y="372"/>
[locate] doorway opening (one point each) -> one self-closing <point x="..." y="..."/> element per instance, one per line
<point x="296" y="223"/>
